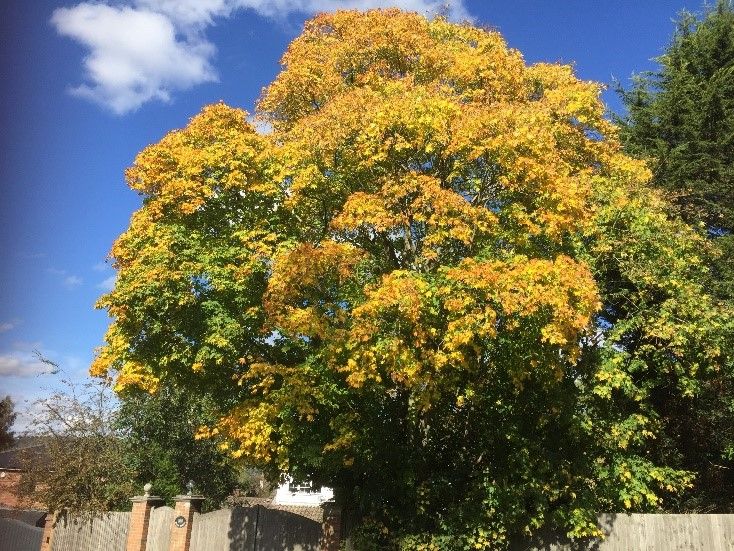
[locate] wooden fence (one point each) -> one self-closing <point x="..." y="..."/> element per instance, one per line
<point x="105" y="533"/>
<point x="261" y="528"/>
<point x="214" y="530"/>
<point x="638" y="532"/>
<point x="159" y="529"/>
<point x="254" y="529"/>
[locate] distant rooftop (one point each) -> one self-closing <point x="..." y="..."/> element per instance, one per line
<point x="28" y="516"/>
<point x="12" y="459"/>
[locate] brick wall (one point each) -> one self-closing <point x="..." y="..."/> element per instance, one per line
<point x="186" y="507"/>
<point x="8" y="484"/>
<point x="137" y="534"/>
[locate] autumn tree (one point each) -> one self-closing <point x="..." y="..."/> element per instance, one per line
<point x="438" y="285"/>
<point x="680" y="118"/>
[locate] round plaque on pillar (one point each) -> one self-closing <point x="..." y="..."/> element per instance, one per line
<point x="180" y="521"/>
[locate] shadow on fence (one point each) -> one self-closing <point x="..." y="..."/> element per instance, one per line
<point x="243" y="527"/>
<point x="279" y="530"/>
<point x="255" y="528"/>
<point x="548" y="540"/>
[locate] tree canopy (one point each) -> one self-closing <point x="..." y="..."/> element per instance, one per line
<point x="7" y="418"/>
<point x="681" y="118"/>
<point x="438" y="285"/>
<point x="160" y="445"/>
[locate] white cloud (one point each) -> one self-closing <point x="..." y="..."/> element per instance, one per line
<point x="203" y="12"/>
<point x="72" y="281"/>
<point x="21" y="364"/>
<point x="190" y="14"/>
<point x="7" y="326"/>
<point x="134" y="55"/>
<point x="108" y="284"/>
<point x="148" y="49"/>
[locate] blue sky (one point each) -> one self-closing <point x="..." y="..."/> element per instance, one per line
<point x="85" y="86"/>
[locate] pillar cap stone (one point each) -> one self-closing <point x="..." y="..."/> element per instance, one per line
<point x="188" y="497"/>
<point x="139" y="499"/>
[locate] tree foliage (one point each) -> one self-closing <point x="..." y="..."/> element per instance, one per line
<point x="438" y="285"/>
<point x="81" y="468"/>
<point x="159" y="432"/>
<point x="7" y="418"/>
<point x="96" y="451"/>
<point x="681" y="118"/>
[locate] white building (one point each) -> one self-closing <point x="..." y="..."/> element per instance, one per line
<point x="290" y="493"/>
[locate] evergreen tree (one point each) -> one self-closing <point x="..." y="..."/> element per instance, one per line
<point x="681" y="119"/>
<point x="7" y="418"/>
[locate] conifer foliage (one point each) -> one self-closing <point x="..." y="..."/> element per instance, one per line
<point x="7" y="418"/>
<point x="681" y="118"/>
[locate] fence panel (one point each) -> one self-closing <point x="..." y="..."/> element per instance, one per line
<point x="280" y="530"/>
<point x="668" y="532"/>
<point x="105" y="533"/>
<point x="254" y="529"/>
<point x="722" y="530"/>
<point x="647" y="532"/>
<point x="159" y="529"/>
<point x="225" y="530"/>
<point x="19" y="536"/>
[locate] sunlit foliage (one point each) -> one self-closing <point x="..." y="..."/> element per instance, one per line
<point x="437" y="285"/>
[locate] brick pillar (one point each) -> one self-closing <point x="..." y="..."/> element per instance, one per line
<point x="137" y="534"/>
<point x="48" y="532"/>
<point x="331" y="528"/>
<point x="183" y="517"/>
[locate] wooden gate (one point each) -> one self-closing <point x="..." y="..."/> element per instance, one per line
<point x="254" y="529"/>
<point x="159" y="529"/>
